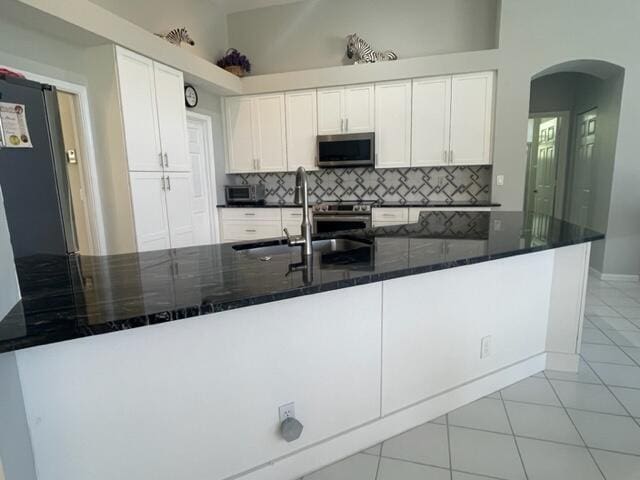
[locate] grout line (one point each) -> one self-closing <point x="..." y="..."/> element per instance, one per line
<point x="513" y="435"/>
<point x="614" y="395"/>
<point x="622" y="350"/>
<point x="379" y="462"/>
<point x="446" y="421"/>
<point x="575" y="427"/>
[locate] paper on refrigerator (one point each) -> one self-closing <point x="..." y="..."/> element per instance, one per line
<point x="13" y="126"/>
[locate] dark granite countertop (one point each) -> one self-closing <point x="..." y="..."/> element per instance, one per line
<point x="71" y="297"/>
<point x="380" y="204"/>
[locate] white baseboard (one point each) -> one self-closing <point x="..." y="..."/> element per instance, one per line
<point x="348" y="443"/>
<point x="614" y="277"/>
<point x="565" y="362"/>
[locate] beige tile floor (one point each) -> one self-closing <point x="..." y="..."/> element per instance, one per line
<point x="551" y="426"/>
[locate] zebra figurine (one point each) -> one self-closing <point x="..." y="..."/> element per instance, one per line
<point x="177" y="36"/>
<point x="363" y="53"/>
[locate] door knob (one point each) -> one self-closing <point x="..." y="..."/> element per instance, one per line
<point x="291" y="429"/>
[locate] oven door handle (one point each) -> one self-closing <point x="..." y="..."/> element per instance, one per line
<point x="342" y="218"/>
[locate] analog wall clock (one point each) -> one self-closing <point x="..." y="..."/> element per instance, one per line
<point x="190" y="96"/>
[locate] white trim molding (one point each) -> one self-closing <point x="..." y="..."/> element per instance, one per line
<point x="614" y="277"/>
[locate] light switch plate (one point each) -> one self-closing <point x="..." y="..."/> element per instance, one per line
<point x="500" y="180"/>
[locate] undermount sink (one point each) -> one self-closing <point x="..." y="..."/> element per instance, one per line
<point x="329" y="245"/>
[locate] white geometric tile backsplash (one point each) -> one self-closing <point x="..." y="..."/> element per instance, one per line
<point x="423" y="185"/>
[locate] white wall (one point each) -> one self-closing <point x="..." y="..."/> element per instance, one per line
<point x="9" y="291"/>
<point x="311" y="33"/>
<point x="205" y="22"/>
<point x="16" y="455"/>
<point x="532" y="40"/>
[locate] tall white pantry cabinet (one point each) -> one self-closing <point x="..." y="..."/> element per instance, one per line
<point x="155" y="131"/>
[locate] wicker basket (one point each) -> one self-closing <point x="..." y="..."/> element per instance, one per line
<point x="237" y="70"/>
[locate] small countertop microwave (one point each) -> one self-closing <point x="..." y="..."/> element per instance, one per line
<point x="244" y="194"/>
<point x="346" y="150"/>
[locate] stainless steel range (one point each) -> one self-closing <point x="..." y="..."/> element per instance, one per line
<point x="337" y="216"/>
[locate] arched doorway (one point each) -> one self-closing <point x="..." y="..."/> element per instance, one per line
<point x="574" y="109"/>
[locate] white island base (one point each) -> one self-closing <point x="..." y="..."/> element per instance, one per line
<point x="198" y="399"/>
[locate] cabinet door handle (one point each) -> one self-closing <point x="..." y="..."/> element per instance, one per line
<point x="164" y="186"/>
<point x="248" y="230"/>
<point x="444" y="157"/>
<point x="166" y="159"/>
<point x="346" y="124"/>
<point x="342" y="125"/>
<point x="249" y="214"/>
<point x="388" y="215"/>
<point x="161" y="157"/>
<point x="168" y="183"/>
<point x="450" y="156"/>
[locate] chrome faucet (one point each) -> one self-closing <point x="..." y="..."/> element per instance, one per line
<point x="302" y="198"/>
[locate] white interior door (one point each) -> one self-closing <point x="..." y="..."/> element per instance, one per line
<point x="359" y="110"/>
<point x="172" y="117"/>
<point x="201" y="165"/>
<point x="150" y="210"/>
<point x="139" y="111"/>
<point x="302" y="129"/>
<point x="179" y="209"/>
<point x="393" y="125"/>
<point x="330" y="108"/>
<point x="583" y="167"/>
<point x="430" y="121"/>
<point x="241" y="154"/>
<point x="271" y="136"/>
<point x="471" y="118"/>
<point x="546" y="166"/>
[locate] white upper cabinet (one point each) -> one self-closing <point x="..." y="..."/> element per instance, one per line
<point x="359" y="109"/>
<point x="172" y="117"/>
<point x="241" y="155"/>
<point x="302" y="129"/>
<point x="431" y="121"/>
<point x="271" y="137"/>
<point x="346" y="109"/>
<point x="471" y="118"/>
<point x="330" y="111"/>
<point x="256" y="135"/>
<point x="393" y="124"/>
<point x="139" y="111"/>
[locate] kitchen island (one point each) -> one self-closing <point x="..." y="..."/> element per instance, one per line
<point x="172" y="364"/>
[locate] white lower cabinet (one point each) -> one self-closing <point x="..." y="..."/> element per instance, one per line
<point x="381" y="217"/>
<point x="162" y="206"/>
<point x="241" y="224"/>
<point x="179" y="194"/>
<point x="150" y="210"/>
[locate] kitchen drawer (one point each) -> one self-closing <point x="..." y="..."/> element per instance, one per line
<point x="250" y="230"/>
<point x="293" y="215"/>
<point x="390" y="215"/>
<point x="414" y="213"/>
<point x="250" y="214"/>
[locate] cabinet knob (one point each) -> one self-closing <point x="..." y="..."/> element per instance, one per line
<point x="291" y="429"/>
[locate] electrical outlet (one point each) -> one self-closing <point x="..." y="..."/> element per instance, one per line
<point x="500" y="180"/>
<point x="485" y="346"/>
<point x="286" y="411"/>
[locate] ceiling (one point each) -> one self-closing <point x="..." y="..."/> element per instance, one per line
<point x="232" y="6"/>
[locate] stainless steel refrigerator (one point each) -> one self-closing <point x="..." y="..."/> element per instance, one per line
<point x="33" y="178"/>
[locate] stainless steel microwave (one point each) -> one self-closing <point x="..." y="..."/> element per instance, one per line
<point x="244" y="194"/>
<point x="346" y="150"/>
